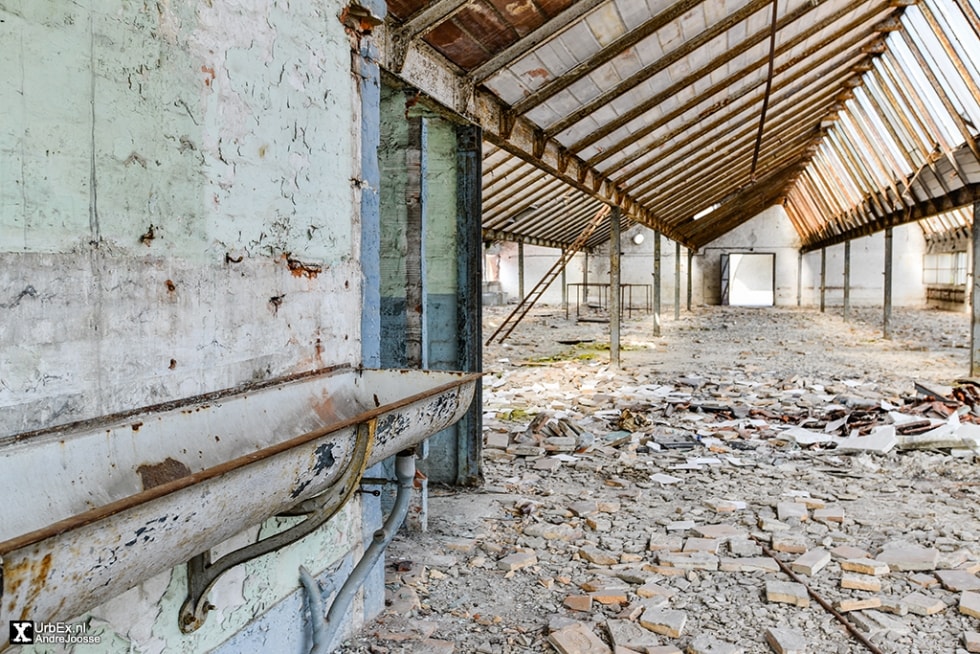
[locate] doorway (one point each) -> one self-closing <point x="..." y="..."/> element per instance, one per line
<point x="748" y="279"/>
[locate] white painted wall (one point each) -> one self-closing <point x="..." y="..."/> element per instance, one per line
<point x="769" y="232"/>
<point x="177" y="217"/>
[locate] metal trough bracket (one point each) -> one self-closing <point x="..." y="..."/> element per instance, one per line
<point x="202" y="572"/>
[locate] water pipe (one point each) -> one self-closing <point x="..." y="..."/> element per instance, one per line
<point x="325" y="628"/>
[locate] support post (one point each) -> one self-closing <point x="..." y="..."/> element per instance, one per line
<point x="469" y="212"/>
<point x="975" y="295"/>
<point x="414" y="256"/>
<point x="520" y="270"/>
<point x="887" y="318"/>
<point x="690" y="285"/>
<point x="564" y="283"/>
<point x="847" y="281"/>
<point x="656" y="283"/>
<point x="614" y="248"/>
<point x="823" y="279"/>
<point x="585" y="280"/>
<point x="677" y="280"/>
<point x="799" y="278"/>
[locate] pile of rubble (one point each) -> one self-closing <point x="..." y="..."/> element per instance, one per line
<point x="732" y="510"/>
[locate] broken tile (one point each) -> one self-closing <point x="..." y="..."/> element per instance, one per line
<point x="517" y="561"/>
<point x="577" y="639"/>
<point x="749" y="564"/>
<point x="787" y="592"/>
<point x="786" y="641"/>
<point x="921" y="604"/>
<point x="701" y="545"/>
<point x="875" y="623"/>
<point x="789" y="510"/>
<point x="849" y="552"/>
<point x="880" y="441"/>
<point x="924" y="580"/>
<point x="812" y="562"/>
<point x="666" y="622"/>
<point x="852" y="604"/>
<point x="857" y="581"/>
<point x="597" y="556"/>
<point x="688" y="560"/>
<point x="723" y="533"/>
<point x="834" y="514"/>
<point x="971" y="641"/>
<point x="725" y="506"/>
<point x="910" y="558"/>
<point x="705" y="644"/>
<point x="653" y="589"/>
<point x="970" y="604"/>
<point x="958" y="580"/>
<point x="790" y="543"/>
<point x="578" y="602"/>
<point x="865" y="566"/>
<point x="625" y="633"/>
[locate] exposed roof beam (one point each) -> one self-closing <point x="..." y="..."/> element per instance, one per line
<point x="429" y="16"/>
<point x="607" y="54"/>
<point x="801" y="117"/>
<point x="673" y="57"/>
<point x="500" y="235"/>
<point x="402" y="37"/>
<point x="964" y="196"/>
<point x="542" y="33"/>
<point x="432" y="77"/>
<point x="812" y="65"/>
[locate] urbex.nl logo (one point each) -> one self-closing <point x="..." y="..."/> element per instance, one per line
<point x="21" y="632"/>
<point x="28" y="632"/>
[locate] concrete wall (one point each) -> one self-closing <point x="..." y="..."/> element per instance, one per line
<point x="537" y="262"/>
<point x="769" y="232"/>
<point x="177" y="216"/>
<point x="867" y="271"/>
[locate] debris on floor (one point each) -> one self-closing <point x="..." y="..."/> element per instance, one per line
<point x="703" y="509"/>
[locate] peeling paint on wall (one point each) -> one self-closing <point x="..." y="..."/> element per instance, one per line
<point x="166" y="170"/>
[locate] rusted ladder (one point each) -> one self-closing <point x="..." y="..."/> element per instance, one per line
<point x="515" y="316"/>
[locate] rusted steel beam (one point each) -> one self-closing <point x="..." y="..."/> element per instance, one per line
<point x="502" y="235"/>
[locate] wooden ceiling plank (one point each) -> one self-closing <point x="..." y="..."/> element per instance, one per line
<point x="812" y="109"/>
<point x="812" y="65"/>
<point x="679" y="53"/>
<point x="720" y="184"/>
<point x="540" y="35"/>
<point x="605" y="55"/>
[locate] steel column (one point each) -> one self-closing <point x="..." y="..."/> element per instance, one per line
<point x="520" y="270"/>
<point x="887" y="318"/>
<point x="823" y="279"/>
<point x="469" y="188"/>
<point x="799" y="278"/>
<point x="414" y="256"/>
<point x="614" y="288"/>
<point x="847" y="280"/>
<point x="690" y="286"/>
<point x="677" y="280"/>
<point x="975" y="296"/>
<point x="656" y="283"/>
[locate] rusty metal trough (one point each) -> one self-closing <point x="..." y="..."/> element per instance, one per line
<point x="93" y="508"/>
